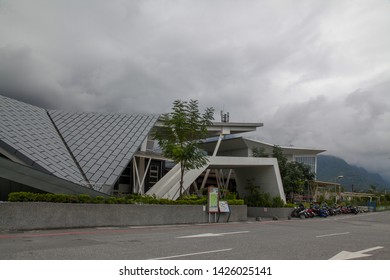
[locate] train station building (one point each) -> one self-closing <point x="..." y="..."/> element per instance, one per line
<point x="112" y="154"/>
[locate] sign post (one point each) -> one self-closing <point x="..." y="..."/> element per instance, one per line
<point x="224" y="208"/>
<point x="212" y="201"/>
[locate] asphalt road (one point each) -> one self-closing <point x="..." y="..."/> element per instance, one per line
<point x="363" y="236"/>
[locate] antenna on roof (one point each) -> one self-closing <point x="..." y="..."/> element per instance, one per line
<point x="224" y="117"/>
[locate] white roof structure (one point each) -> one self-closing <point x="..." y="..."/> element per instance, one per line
<point x="244" y="145"/>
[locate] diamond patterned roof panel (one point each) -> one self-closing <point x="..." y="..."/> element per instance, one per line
<point x="103" y="143"/>
<point x="29" y="131"/>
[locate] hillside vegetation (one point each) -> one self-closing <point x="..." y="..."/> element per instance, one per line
<point x="330" y="167"/>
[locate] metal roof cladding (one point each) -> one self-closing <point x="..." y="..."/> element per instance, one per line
<point x="84" y="148"/>
<point x="103" y="143"/>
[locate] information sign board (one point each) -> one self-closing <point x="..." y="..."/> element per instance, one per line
<point x="223" y="206"/>
<point x="212" y="201"/>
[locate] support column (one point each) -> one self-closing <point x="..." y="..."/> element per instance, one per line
<point x="139" y="175"/>
<point x="214" y="154"/>
<point x="141" y="168"/>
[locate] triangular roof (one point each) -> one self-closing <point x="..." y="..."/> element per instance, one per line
<point x="27" y="132"/>
<point x="103" y="143"/>
<point x="84" y="148"/>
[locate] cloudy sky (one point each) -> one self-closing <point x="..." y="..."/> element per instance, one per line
<point x="316" y="73"/>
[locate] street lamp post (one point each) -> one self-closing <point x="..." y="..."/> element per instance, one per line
<point x="335" y="187"/>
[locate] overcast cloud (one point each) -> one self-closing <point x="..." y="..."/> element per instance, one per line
<point x="316" y="73"/>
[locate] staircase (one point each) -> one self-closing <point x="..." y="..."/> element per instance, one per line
<point x="169" y="185"/>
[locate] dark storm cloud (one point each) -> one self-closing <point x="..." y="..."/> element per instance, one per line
<point x="356" y="126"/>
<point x="315" y="72"/>
<point x="138" y="53"/>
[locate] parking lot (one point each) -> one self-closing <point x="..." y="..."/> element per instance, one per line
<point x="362" y="236"/>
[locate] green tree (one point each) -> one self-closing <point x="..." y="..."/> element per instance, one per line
<point x="180" y="134"/>
<point x="297" y="174"/>
<point x="277" y="153"/>
<point x="372" y="189"/>
<point x="259" y="152"/>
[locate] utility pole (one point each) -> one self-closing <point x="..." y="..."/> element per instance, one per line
<point x="335" y="187"/>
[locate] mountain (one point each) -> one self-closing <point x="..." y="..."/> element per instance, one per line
<point x="329" y="168"/>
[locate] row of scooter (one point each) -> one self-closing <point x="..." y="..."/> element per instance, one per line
<point x="317" y="210"/>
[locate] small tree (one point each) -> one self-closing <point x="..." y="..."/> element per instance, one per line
<point x="297" y="174"/>
<point x="180" y="134"/>
<point x="277" y="153"/>
<point x="259" y="152"/>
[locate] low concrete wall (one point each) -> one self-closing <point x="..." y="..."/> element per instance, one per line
<point x="266" y="212"/>
<point x="44" y="215"/>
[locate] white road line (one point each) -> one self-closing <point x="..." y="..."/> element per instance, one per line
<point x="333" y="234"/>
<point x="153" y="227"/>
<point x="235" y="232"/>
<point x="193" y="254"/>
<point x="209" y="234"/>
<point x="166" y="228"/>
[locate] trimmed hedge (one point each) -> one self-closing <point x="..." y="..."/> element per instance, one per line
<point x="129" y="199"/>
<point x="261" y="199"/>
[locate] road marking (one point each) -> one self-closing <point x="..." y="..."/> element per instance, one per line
<point x="154" y="227"/>
<point x="212" y="234"/>
<point x="23" y="235"/>
<point x="332" y="234"/>
<point x="346" y="255"/>
<point x="193" y="254"/>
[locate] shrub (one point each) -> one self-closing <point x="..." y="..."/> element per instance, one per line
<point x="121" y="200"/>
<point x="236" y="201"/>
<point x="191" y="197"/>
<point x="98" y="199"/>
<point x="73" y="199"/>
<point x="47" y="197"/>
<point x="167" y="201"/>
<point x="277" y="202"/>
<point x="133" y="196"/>
<point x="110" y="200"/>
<point x="191" y="200"/>
<point x="231" y="196"/>
<point x="61" y="198"/>
<point x="84" y="198"/>
<point x="129" y="199"/>
<point x="259" y="200"/>
<point x="19" y="197"/>
<point x="290" y="205"/>
<point x="146" y="199"/>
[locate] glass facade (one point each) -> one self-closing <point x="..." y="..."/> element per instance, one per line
<point x="308" y="160"/>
